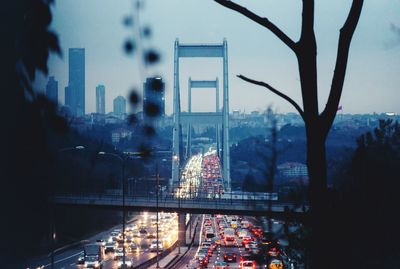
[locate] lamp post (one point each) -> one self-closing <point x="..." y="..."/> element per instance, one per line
<point x="122" y="160"/>
<point x="53" y="232"/>
<point x="157" y="190"/>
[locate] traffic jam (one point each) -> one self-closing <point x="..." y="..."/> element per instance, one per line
<point x="212" y="182"/>
<point x="140" y="242"/>
<point x="236" y="242"/>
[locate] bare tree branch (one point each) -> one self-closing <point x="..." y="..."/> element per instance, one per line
<point x="269" y="87"/>
<point x="346" y="34"/>
<point x="260" y="20"/>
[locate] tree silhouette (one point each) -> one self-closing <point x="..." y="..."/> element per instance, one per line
<point x="317" y="124"/>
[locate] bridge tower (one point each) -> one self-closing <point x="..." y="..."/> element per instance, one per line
<point x="192" y="84"/>
<point x="217" y="118"/>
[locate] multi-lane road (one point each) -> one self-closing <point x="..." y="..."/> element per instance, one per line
<point x="221" y="238"/>
<point x="141" y="231"/>
<point x="247" y="248"/>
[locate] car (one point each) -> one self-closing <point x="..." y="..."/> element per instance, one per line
<point x="234" y="223"/>
<point x="273" y="251"/>
<point x="133" y="247"/>
<point x="208" y="244"/>
<point x="257" y="230"/>
<point x="194" y="264"/>
<point x="275" y="264"/>
<point x="202" y="258"/>
<point x="247" y="257"/>
<point x="247" y="265"/>
<point x="220" y="265"/>
<point x="242" y="233"/>
<point x="118" y="253"/>
<point x="250" y="245"/>
<point x="246" y="239"/>
<point x="81" y="258"/>
<point x="92" y="262"/>
<point x="128" y="264"/>
<point x="153" y="246"/>
<point x="230" y="257"/>
<point x="101" y="242"/>
<point x="205" y="251"/>
<point x="245" y="224"/>
<point x="143" y="231"/>
<point x="109" y="247"/>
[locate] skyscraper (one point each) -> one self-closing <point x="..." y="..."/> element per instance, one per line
<point x="153" y="96"/>
<point x="100" y="99"/>
<point x="119" y="105"/>
<point x="52" y="89"/>
<point x="76" y="83"/>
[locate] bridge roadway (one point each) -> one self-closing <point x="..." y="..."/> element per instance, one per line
<point x="173" y="204"/>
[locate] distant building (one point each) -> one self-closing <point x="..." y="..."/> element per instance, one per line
<point x="52" y="89"/>
<point x="290" y="170"/>
<point x="100" y="99"/>
<point x="75" y="91"/>
<point x="120" y="133"/>
<point x="119" y="106"/>
<point x="254" y="114"/>
<point x="154" y="94"/>
<point x="236" y="114"/>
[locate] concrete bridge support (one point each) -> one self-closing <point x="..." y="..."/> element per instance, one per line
<point x="181" y="229"/>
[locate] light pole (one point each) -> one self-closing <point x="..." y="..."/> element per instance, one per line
<point x="122" y="160"/>
<point x="157" y="190"/>
<point x="53" y="230"/>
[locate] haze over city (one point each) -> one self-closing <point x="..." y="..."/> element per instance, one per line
<point x="371" y="83"/>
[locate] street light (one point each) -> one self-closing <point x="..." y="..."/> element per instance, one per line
<point x="53" y="232"/>
<point x="122" y="160"/>
<point x="157" y="190"/>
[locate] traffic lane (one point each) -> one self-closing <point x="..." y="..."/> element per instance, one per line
<point x="69" y="258"/>
<point x="64" y="257"/>
<point x="218" y="255"/>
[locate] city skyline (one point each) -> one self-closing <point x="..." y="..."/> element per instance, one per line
<point x="372" y="68"/>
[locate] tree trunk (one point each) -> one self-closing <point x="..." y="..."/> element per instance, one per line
<point x="316" y="163"/>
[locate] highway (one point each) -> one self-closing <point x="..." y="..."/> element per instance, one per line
<point x="144" y="222"/>
<point x="256" y="250"/>
<point x="200" y="183"/>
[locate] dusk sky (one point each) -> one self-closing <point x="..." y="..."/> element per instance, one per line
<point x="372" y="80"/>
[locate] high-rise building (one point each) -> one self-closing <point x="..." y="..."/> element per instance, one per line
<point x="68" y="97"/>
<point x="76" y="82"/>
<point x="119" y="105"/>
<point x="52" y="89"/>
<point x="154" y="96"/>
<point x="101" y="99"/>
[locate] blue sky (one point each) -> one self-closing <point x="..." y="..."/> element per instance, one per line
<point x="372" y="81"/>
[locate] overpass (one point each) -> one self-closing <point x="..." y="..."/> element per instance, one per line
<point x="171" y="203"/>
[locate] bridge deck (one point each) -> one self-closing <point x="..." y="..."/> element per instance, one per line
<point x="171" y="204"/>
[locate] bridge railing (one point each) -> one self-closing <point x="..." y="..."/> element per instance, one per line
<point x="171" y="201"/>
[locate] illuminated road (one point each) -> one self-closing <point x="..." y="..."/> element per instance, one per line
<point x="145" y="222"/>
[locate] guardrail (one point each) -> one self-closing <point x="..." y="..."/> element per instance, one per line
<point x="161" y="255"/>
<point x="174" y="261"/>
